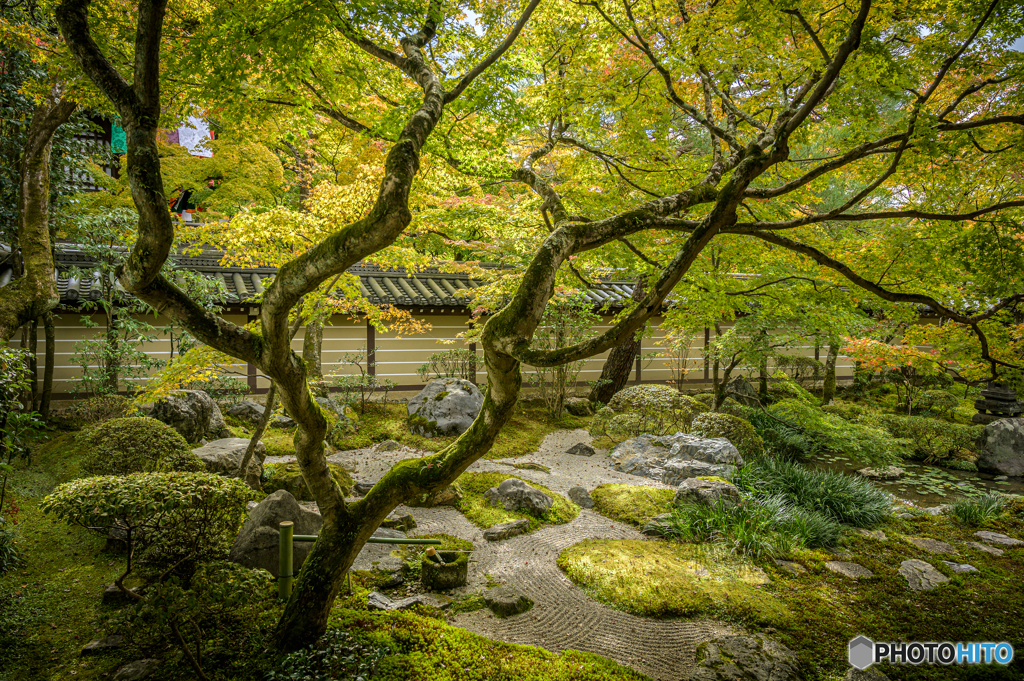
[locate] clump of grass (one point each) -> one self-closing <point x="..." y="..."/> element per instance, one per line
<point x="480" y="512"/>
<point x="976" y="510"/>
<point x="844" y="498"/>
<point x="631" y="503"/>
<point x="659" y="579"/>
<point x="762" y="527"/>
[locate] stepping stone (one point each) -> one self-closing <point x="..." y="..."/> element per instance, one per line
<point x="581" y="497"/>
<point x="378" y="601"/>
<point x="884" y="473"/>
<point x="877" y="535"/>
<point x="505" y="602"/>
<point x="986" y="548"/>
<point x="581" y="449"/>
<point x="996" y="538"/>
<point x="849" y="570"/>
<point x="114" y="596"/>
<point x="931" y="545"/>
<point x="792" y="567"/>
<point x="960" y="568"/>
<point x="920" y="575"/>
<point x="138" y="670"/>
<point x="499" y="532"/>
<point x="102" y="645"/>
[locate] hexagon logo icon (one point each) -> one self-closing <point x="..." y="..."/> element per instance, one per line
<point x="862" y="652"/>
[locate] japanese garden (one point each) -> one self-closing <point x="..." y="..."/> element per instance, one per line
<point x="549" y="340"/>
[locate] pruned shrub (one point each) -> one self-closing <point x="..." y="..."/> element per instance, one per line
<point x="845" y="410"/>
<point x="87" y="412"/>
<point x="170" y="521"/>
<point x="931" y="439"/>
<point x="734" y="429"/>
<point x="652" y="409"/>
<point x="939" y="402"/>
<point x="866" y="443"/>
<point x="844" y="498"/>
<point x="136" y="445"/>
<point x="783" y="387"/>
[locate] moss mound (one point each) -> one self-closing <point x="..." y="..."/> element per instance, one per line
<point x="479" y="511"/>
<point x="734" y="429"/>
<point x="135" y="445"/>
<point x="289" y="477"/>
<point x="659" y="579"/>
<point x="631" y="503"/>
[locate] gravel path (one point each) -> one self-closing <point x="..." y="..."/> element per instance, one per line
<point x="563" y="616"/>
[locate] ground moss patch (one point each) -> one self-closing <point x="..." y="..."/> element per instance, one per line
<point x="479" y="511"/>
<point x="631" y="504"/>
<point x="662" y="579"/>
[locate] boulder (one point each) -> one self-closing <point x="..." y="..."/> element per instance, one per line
<point x="449" y="496"/>
<point x="581" y="497"/>
<point x="362" y="487"/>
<point x="578" y="406"/>
<point x="516" y="495"/>
<point x="288" y="476"/>
<point x="743" y="392"/>
<point x="1001" y="447"/>
<point x="257" y="543"/>
<point x="671" y="458"/>
<point x="387" y="446"/>
<point x="247" y="410"/>
<point x="505" y="602"/>
<point x="112" y="595"/>
<point x="738" y="658"/>
<point x="378" y="601"/>
<point x="581" y="449"/>
<point x="920" y="575"/>
<point x="683" y="470"/>
<point x="399" y="521"/>
<point x="507" y="530"/>
<point x="706" y="493"/>
<point x="192" y="413"/>
<point x="280" y="421"/>
<point x="137" y="670"/>
<point x="224" y="456"/>
<point x="446" y="406"/>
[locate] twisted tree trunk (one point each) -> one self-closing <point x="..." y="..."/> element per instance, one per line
<point x="828" y="389"/>
<point x="615" y="372"/>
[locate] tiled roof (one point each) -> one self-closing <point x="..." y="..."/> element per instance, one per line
<point x="77" y="280"/>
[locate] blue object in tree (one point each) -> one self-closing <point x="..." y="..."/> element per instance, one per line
<point x="118" y="141"/>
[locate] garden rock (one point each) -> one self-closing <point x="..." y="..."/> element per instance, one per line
<point x="257" y="543"/>
<point x="246" y="410"/>
<point x="138" y="670"/>
<point x="986" y="548"/>
<point x="446" y="406"/>
<point x="1001" y="447"/>
<point x="885" y="473"/>
<point x="935" y="510"/>
<point x="742" y="658"/>
<point x="877" y="535"/>
<point x="960" y="568"/>
<point x="997" y="538"/>
<point x="114" y="596"/>
<point x="378" y="601"/>
<point x="671" y="458"/>
<point x="706" y="493"/>
<point x="505" y="601"/>
<point x="102" y="645"/>
<point x="388" y="533"/>
<point x="192" y="413"/>
<point x="516" y="495"/>
<point x="578" y="406"/>
<point x="581" y="497"/>
<point x="362" y="487"/>
<point x="507" y="530"/>
<point x="280" y="421"/>
<point x="224" y="456"/>
<point x="920" y="575"/>
<point x="581" y="449"/>
<point x="399" y="521"/>
<point x="743" y="392"/>
<point x="394" y="568"/>
<point x="792" y="567"/>
<point x="387" y="446"/>
<point x="657" y="525"/>
<point x="849" y="570"/>
<point x="931" y="545"/>
<point x="449" y="496"/>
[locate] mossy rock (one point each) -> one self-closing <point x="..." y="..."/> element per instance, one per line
<point x="449" y="496"/>
<point x="289" y="478"/>
<point x="451" y="575"/>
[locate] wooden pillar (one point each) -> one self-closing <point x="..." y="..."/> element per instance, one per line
<point x="371" y="344"/>
<point x="472" y="348"/>
<point x="707" y="360"/>
<point x="639" y="355"/>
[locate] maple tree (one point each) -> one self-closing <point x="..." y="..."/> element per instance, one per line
<point x="811" y="131"/>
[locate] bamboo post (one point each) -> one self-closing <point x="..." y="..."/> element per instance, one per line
<point x="284" y="554"/>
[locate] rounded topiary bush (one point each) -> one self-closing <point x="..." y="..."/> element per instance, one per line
<point x="734" y="429"/>
<point x="651" y="409"/>
<point x="136" y="445"/>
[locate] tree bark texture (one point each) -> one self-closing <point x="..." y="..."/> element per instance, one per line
<point x="620" y="362"/>
<point x="828" y="389"/>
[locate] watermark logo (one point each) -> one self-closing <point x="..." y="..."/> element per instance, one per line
<point x="864" y="652"/>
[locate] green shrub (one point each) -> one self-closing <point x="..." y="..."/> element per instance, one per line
<point x="783" y="387"/>
<point x="866" y="443"/>
<point x="90" y="411"/>
<point x="132" y="445"/>
<point x="734" y="429"/>
<point x="336" y="656"/>
<point x="932" y="439"/>
<point x="166" y="519"/>
<point x="941" y="402"/>
<point x="844" y="498"/>
<point x="781" y="438"/>
<point x="845" y="410"/>
<point x="652" y="409"/>
<point x="976" y="510"/>
<point x="10" y="558"/>
<point x="766" y="526"/>
<point x="734" y="408"/>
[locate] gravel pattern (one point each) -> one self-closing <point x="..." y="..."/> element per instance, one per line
<point x="563" y="616"/>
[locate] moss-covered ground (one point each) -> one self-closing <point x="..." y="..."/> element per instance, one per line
<point x="479" y="511"/>
<point x="631" y="504"/>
